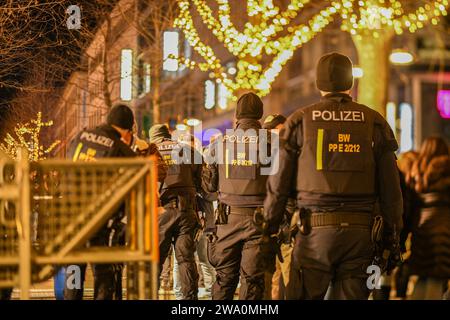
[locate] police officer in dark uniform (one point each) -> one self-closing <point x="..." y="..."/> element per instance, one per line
<point x="343" y="153"/>
<point x="238" y="250"/>
<point x="110" y="140"/>
<point x="279" y="275"/>
<point x="178" y="224"/>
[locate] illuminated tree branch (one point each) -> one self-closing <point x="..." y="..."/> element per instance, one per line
<point x="270" y="34"/>
<point x="259" y="38"/>
<point x="28" y="136"/>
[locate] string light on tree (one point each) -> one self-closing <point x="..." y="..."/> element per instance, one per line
<point x="375" y="15"/>
<point x="272" y="34"/>
<point x="373" y="25"/>
<point x="260" y="38"/>
<point x="28" y="136"/>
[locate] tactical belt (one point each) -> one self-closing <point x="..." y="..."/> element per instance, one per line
<point x="342" y="219"/>
<point x="175" y="204"/>
<point x="243" y="211"/>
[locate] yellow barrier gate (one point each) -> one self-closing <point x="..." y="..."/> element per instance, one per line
<point x="50" y="209"/>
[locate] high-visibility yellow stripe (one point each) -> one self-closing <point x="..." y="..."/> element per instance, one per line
<point x="77" y="152"/>
<point x="227" y="154"/>
<point x="319" y="152"/>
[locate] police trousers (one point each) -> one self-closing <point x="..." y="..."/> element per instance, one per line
<point x="178" y="228"/>
<point x="107" y="277"/>
<point x="331" y="258"/>
<point x="238" y="254"/>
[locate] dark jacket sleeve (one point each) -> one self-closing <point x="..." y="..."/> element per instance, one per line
<point x="162" y="166"/>
<point x="388" y="180"/>
<point x="121" y="150"/>
<point x="280" y="183"/>
<point x="210" y="174"/>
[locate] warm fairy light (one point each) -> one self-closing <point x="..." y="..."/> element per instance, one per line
<point x="251" y="44"/>
<point x="28" y="136"/>
<point x="270" y="34"/>
<point x="380" y="14"/>
<point x="232" y="71"/>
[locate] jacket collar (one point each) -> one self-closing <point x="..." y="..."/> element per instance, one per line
<point x="337" y="96"/>
<point x="245" y="124"/>
<point x="110" y="130"/>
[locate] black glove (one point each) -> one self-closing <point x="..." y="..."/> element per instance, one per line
<point x="402" y="279"/>
<point x="394" y="260"/>
<point x="270" y="240"/>
<point x="393" y="245"/>
<point x="273" y="246"/>
<point x="270" y="249"/>
<point x="287" y="232"/>
<point x="388" y="254"/>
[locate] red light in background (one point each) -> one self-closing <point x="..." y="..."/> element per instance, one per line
<point x="443" y="103"/>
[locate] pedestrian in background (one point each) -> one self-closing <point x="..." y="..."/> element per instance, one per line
<point x="430" y="226"/>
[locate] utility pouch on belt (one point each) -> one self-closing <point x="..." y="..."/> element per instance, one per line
<point x="221" y="214"/>
<point x="293" y="228"/>
<point x="305" y="221"/>
<point x="377" y="230"/>
<point x="387" y="251"/>
<point x="262" y="226"/>
<point x="258" y="218"/>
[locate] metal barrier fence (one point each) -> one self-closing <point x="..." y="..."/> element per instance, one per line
<point x="50" y="209"/>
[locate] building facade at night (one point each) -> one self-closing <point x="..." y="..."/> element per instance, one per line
<point x="419" y="93"/>
<point x="70" y="113"/>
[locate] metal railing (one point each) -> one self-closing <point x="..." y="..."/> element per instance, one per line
<point x="50" y="209"/>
